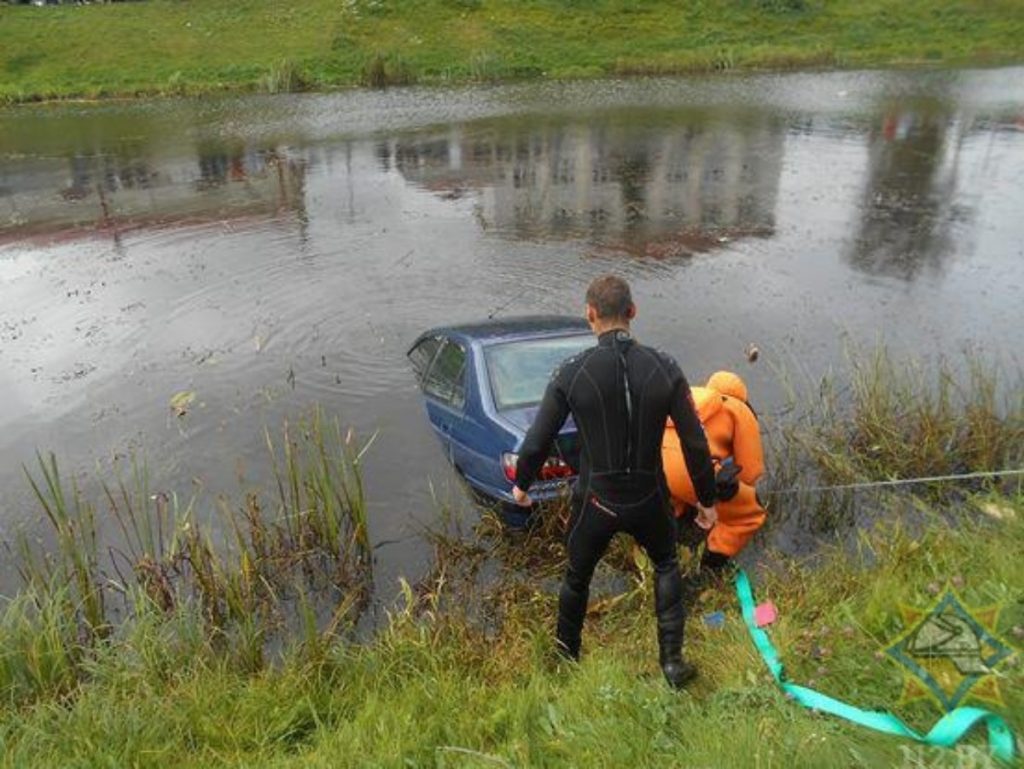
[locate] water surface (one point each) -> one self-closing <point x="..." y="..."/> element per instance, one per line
<point x="272" y="252"/>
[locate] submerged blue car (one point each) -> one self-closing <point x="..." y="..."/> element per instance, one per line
<point x="482" y="384"/>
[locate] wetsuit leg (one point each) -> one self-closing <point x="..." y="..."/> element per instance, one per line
<point x="590" y="531"/>
<point x="653" y="527"/>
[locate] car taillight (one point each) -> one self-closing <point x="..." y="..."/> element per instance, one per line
<point x="508" y="465"/>
<point x="552" y="469"/>
<point x="555" y="468"/>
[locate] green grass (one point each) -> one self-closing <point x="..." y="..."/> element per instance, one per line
<point x="168" y="47"/>
<point x="442" y="689"/>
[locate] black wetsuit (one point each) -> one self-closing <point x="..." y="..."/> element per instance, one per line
<point x="620" y="394"/>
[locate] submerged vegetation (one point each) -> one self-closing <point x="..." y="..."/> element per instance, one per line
<point x="174" y="647"/>
<point x="167" y="47"/>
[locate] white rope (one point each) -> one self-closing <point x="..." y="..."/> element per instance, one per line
<point x="896" y="482"/>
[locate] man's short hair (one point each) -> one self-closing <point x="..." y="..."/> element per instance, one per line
<point x="610" y="297"/>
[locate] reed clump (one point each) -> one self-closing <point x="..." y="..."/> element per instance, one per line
<point x="884" y="420"/>
<point x="238" y="587"/>
<point x="386" y="70"/>
<point x="285" y="76"/>
<point x="901" y="421"/>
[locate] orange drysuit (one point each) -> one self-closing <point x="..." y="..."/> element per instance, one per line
<point x="732" y="432"/>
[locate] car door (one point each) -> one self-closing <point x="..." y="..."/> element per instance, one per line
<point x="444" y="384"/>
<point x="474" y="443"/>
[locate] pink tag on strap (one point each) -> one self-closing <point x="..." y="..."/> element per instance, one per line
<point x="765" y="614"/>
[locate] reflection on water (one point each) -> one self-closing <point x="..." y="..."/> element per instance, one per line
<point x="650" y="193"/>
<point x="266" y="253"/>
<point x="650" y="183"/>
<point x="910" y="202"/>
<point x="103" y="191"/>
<point x="688" y="182"/>
<point x="690" y="187"/>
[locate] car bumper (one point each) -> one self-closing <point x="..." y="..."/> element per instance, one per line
<point x="541" y="491"/>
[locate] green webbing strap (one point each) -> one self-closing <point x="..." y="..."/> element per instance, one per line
<point x="949" y="730"/>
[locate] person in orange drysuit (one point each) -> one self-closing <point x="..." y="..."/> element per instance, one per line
<point x="734" y="438"/>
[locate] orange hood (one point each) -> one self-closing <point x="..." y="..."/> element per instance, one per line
<point x="728" y="383"/>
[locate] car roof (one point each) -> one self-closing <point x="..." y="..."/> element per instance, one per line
<point x="518" y="326"/>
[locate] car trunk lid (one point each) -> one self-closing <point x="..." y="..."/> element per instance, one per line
<point x="567" y="444"/>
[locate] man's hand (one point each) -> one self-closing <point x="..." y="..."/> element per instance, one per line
<point x="521" y="497"/>
<point x="727" y="481"/>
<point x="706" y="516"/>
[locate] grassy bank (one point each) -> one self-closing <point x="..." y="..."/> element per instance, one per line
<point x="183" y="651"/>
<point x="437" y="689"/>
<point x="168" y="47"/>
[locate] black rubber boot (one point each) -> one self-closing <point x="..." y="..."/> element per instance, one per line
<point x="671" y="614"/>
<point x="714" y="562"/>
<point x="572" y="608"/>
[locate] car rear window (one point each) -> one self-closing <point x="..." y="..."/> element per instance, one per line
<point x="519" y="371"/>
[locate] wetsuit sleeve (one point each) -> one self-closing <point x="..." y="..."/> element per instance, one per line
<point x="554" y="409"/>
<point x="693" y="441"/>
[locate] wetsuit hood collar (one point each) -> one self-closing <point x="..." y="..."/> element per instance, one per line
<point x="614" y="336"/>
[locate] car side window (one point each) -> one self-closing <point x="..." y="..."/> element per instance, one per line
<point x="422" y="354"/>
<point x="447" y="375"/>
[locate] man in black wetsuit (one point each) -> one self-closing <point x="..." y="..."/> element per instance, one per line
<point x="620" y="394"/>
